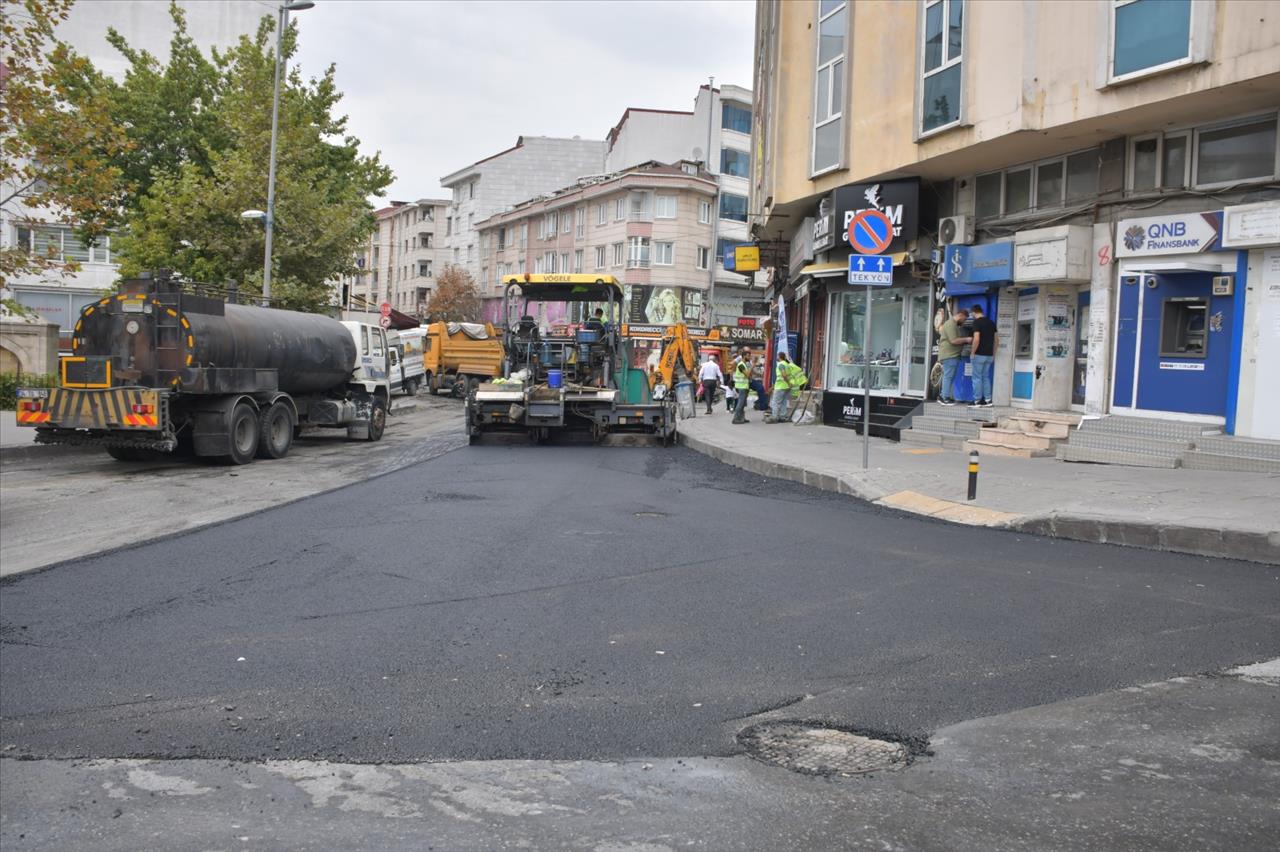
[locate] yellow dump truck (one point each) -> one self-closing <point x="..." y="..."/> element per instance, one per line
<point x="461" y="355"/>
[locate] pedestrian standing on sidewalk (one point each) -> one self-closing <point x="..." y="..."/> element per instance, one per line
<point x="950" y="341"/>
<point x="711" y="378"/>
<point x="757" y="383"/>
<point x="741" y="384"/>
<point x="983" y="357"/>
<point x="781" y="389"/>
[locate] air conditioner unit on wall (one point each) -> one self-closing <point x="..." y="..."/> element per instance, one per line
<point x="955" y="231"/>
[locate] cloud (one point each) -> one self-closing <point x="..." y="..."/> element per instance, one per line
<point x="435" y="86"/>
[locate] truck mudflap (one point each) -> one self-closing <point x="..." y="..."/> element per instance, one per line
<point x="126" y="417"/>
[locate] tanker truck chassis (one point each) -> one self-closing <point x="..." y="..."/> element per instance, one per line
<point x="159" y="369"/>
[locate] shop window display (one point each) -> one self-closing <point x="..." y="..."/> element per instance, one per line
<point x="883" y="344"/>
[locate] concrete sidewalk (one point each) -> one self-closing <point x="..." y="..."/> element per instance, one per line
<point x="1213" y="513"/>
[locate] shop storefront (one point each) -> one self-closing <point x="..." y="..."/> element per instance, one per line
<point x="1254" y="230"/>
<point x="1039" y="321"/>
<point x="888" y="341"/>
<point x="973" y="275"/>
<point x="1179" y="317"/>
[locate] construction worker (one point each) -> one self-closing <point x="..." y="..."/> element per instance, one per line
<point x="781" y="389"/>
<point x="742" y="384"/>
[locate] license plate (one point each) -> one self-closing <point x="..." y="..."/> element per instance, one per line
<point x="33" y="393"/>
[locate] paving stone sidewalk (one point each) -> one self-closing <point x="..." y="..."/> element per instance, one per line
<point x="1212" y="513"/>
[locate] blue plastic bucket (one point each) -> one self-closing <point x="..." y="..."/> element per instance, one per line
<point x="555" y="379"/>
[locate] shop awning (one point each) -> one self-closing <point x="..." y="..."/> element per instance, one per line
<point x="960" y="288"/>
<point x="840" y="268"/>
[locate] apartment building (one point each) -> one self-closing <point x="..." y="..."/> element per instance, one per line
<point x="402" y="259"/>
<point x="651" y="226"/>
<point x="1102" y="176"/>
<point x="55" y="297"/>
<point x="717" y="131"/>
<point x="535" y="164"/>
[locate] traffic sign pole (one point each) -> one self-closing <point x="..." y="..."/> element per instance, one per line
<point x="870" y="233"/>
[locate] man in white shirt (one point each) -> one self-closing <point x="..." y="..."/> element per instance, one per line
<point x="711" y="378"/>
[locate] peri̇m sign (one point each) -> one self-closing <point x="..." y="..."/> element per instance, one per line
<point x="897" y="199"/>
<point x="1185" y="233"/>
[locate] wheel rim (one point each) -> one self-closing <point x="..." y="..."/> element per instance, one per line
<point x="244" y="435"/>
<point x="378" y="420"/>
<point x="280" y="429"/>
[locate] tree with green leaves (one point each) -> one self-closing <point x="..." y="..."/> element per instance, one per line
<point x="201" y="172"/>
<point x="60" y="144"/>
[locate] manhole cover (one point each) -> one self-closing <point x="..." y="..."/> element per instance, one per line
<point x="818" y="750"/>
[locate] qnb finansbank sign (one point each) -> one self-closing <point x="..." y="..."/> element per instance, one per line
<point x="1186" y="233"/>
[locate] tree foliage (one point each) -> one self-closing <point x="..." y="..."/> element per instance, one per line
<point x="202" y="172"/>
<point x="60" y="145"/>
<point x="455" y="298"/>
<point x="168" y="158"/>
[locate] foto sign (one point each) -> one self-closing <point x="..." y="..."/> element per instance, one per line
<point x="872" y="270"/>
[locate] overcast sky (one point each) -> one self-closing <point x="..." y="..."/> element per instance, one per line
<point x="438" y="85"/>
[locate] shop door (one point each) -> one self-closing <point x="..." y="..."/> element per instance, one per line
<point x="1080" y="374"/>
<point x="917" y="336"/>
<point x="1025" y="364"/>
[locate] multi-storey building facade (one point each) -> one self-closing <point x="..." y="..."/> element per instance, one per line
<point x="402" y="259"/>
<point x="535" y="164"/>
<point x="650" y="226"/>
<point x="1103" y="176"/>
<point x="717" y="132"/>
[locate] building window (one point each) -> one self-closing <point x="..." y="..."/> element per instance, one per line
<point x="502" y="238"/>
<point x="724" y="245"/>
<point x="1210" y="156"/>
<point x="520" y="265"/>
<point x="1149" y="34"/>
<point x="619" y="209"/>
<point x="736" y="118"/>
<point x="1082" y="175"/>
<point x="577" y="261"/>
<point x="1049" y="184"/>
<point x="704" y="212"/>
<point x="551" y="224"/>
<point x="471" y="189"/>
<point x="640" y="206"/>
<point x="564" y="262"/>
<point x="637" y="252"/>
<point x="1017" y="191"/>
<point x="448" y="225"/>
<point x="733" y="207"/>
<point x="580" y="219"/>
<point x="828" y="95"/>
<point x="1236" y="153"/>
<point x="1041" y="186"/>
<point x="735" y="163"/>
<point x="600" y="257"/>
<point x="704" y="257"/>
<point x="602" y="215"/>
<point x="664" y="207"/>
<point x="664" y="254"/>
<point x="566" y="222"/>
<point x="619" y="254"/>
<point x="941" y="64"/>
<point x="524" y="234"/>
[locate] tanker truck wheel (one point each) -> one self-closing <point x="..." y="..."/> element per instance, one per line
<point x="275" y="430"/>
<point x="244" y="434"/>
<point x="377" y="419"/>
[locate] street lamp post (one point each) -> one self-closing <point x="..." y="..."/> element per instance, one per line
<point x="282" y="25"/>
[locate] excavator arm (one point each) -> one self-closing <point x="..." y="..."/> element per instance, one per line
<point x="678" y="356"/>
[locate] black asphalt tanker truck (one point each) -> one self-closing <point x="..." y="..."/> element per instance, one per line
<point x="159" y="367"/>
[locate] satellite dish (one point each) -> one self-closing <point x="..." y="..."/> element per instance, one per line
<point x="697" y="153"/>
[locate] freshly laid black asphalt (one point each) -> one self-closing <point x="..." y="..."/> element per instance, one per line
<point x="506" y="601"/>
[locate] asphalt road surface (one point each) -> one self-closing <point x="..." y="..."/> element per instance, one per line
<point x="578" y="602"/>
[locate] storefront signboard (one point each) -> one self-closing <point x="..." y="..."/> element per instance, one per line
<point x="1249" y="225"/>
<point x="897" y="199"/>
<point x="824" y="230"/>
<point x="1043" y="261"/>
<point x="739" y="334"/>
<point x="971" y="269"/>
<point x="1185" y="233"/>
<point x="664" y="305"/>
<point x="801" y="247"/>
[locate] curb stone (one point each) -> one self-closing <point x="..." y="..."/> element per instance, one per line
<point x="1200" y="541"/>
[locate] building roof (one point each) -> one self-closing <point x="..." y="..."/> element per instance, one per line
<point x="465" y="171"/>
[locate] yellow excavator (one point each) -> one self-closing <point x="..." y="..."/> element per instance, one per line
<point x="679" y="359"/>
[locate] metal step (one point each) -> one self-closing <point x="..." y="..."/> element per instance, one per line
<point x="962" y="411"/>
<point x="1195" y="460"/>
<point x="931" y="439"/>
<point x="988" y="447"/>
<point x="1127" y="443"/>
<point x="1067" y="452"/>
<point x="1229" y="445"/>
<point x="1148" y="427"/>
